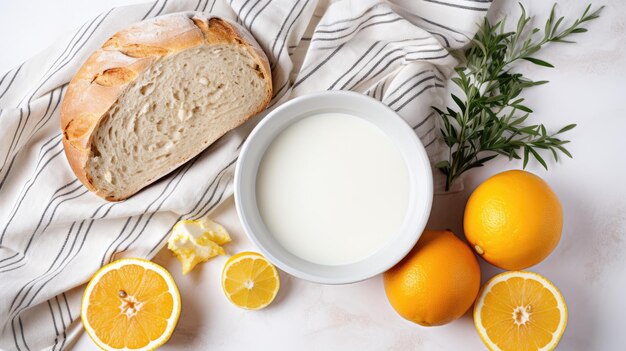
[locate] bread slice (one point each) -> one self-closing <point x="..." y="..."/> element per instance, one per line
<point x="155" y="95"/>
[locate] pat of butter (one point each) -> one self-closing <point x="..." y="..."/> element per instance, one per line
<point x="195" y="241"/>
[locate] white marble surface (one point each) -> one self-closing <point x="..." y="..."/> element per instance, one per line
<point x="589" y="265"/>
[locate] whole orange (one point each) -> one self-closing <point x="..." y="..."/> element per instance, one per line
<point x="436" y="282"/>
<point x="513" y="220"/>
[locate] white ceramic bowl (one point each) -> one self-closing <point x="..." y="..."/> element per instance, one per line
<point x="420" y="185"/>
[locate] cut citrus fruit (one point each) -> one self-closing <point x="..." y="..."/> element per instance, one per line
<point x="195" y="241"/>
<point x="520" y="311"/>
<point x="250" y="281"/>
<point x="130" y="304"/>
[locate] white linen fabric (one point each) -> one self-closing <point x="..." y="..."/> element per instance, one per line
<point x="54" y="234"/>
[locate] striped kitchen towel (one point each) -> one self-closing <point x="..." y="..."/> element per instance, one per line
<point x="54" y="234"/>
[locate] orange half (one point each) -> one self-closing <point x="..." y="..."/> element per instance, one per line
<point x="520" y="311"/>
<point x="130" y="304"/>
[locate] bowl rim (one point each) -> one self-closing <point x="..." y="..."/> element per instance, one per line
<point x="393" y="257"/>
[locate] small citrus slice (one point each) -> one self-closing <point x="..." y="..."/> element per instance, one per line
<point x="520" y="311"/>
<point x="250" y="281"/>
<point x="130" y="304"/>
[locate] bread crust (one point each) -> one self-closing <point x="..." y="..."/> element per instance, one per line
<point x="109" y="71"/>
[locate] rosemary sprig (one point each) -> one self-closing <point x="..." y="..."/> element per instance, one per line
<point x="490" y="121"/>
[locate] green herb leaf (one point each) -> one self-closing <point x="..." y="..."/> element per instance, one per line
<point x="525" y="157"/>
<point x="538" y="62"/>
<point x="459" y="102"/>
<point x="566" y="128"/>
<point x="538" y="158"/>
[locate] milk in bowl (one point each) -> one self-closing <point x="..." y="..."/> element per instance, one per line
<point x="332" y="188"/>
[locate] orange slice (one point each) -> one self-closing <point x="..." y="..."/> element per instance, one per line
<point x="250" y="281"/>
<point x="130" y="304"/>
<point x="520" y="311"/>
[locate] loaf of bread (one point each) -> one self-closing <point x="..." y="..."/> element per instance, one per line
<point x="155" y="95"/>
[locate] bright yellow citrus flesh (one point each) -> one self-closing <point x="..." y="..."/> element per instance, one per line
<point x="130" y="304"/>
<point x="520" y="311"/>
<point x="513" y="220"/>
<point x="250" y="281"/>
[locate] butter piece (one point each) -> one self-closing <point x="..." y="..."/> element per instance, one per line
<point x="195" y="241"/>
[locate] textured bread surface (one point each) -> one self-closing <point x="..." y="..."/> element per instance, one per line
<point x="156" y="95"/>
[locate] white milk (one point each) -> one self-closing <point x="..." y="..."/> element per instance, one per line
<point x="332" y="188"/>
